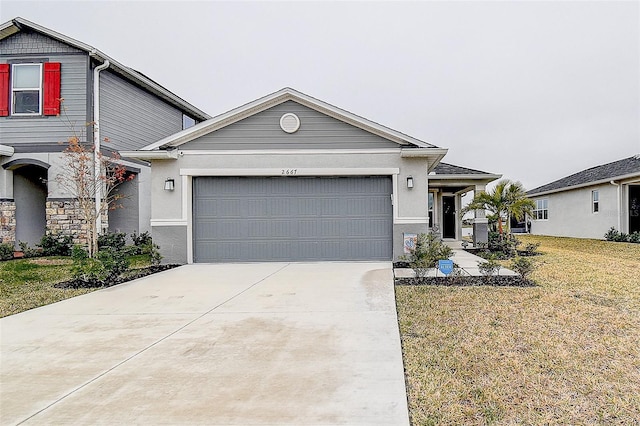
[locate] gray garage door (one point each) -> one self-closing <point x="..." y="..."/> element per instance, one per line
<point x="244" y="219"/>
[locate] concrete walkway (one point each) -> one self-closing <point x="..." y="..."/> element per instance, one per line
<point x="466" y="261"/>
<point x="247" y="344"/>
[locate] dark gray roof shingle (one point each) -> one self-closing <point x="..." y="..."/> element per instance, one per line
<point x="450" y="169"/>
<point x="613" y="170"/>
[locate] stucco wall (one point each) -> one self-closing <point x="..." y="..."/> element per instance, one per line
<point x="570" y="213"/>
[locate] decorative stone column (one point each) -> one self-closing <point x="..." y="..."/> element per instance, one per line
<point x="8" y="222"/>
<point x="64" y="217"/>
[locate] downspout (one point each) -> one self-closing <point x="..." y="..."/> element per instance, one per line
<point x="619" y="208"/>
<point x="96" y="137"/>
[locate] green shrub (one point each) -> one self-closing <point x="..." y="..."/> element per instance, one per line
<point x="56" y="245"/>
<point x="634" y="237"/>
<point x="27" y="251"/>
<point x="154" y="253"/>
<point x="106" y="265"/>
<point x="115" y="240"/>
<point x="429" y="249"/>
<point x="503" y="246"/>
<point x="523" y="266"/>
<point x="143" y="239"/>
<point x="6" y="251"/>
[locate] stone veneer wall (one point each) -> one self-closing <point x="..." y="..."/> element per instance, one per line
<point x="65" y="218"/>
<point x="8" y="222"/>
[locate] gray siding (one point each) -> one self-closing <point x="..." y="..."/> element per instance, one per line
<point x="173" y="243"/>
<point x="29" y="43"/>
<point x="51" y="129"/>
<point x="240" y="219"/>
<point x="132" y="118"/>
<point x="262" y="131"/>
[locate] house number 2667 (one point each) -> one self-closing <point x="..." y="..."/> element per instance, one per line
<point x="289" y="172"/>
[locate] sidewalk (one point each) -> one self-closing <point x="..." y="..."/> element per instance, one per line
<point x="463" y="259"/>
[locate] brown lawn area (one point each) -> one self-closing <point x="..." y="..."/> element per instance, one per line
<point x="565" y="352"/>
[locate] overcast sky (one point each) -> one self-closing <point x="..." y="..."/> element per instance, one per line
<point x="531" y="90"/>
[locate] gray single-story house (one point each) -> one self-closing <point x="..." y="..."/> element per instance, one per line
<point x="586" y="204"/>
<point x="291" y="178"/>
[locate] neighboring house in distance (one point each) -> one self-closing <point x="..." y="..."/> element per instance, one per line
<point x="38" y="68"/>
<point x="588" y="203"/>
<point x="291" y="178"/>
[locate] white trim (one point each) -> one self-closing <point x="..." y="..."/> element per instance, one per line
<point x="291" y="171"/>
<point x="277" y="98"/>
<point x="422" y="152"/>
<point x="6" y="150"/>
<point x="40" y="90"/>
<point x="168" y="222"/>
<point x="411" y="220"/>
<point x="282" y="151"/>
<point x="187" y="213"/>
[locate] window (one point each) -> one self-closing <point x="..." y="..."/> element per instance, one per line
<point x="595" y="201"/>
<point x="26" y="89"/>
<point x="541" y="212"/>
<point x="30" y="89"/>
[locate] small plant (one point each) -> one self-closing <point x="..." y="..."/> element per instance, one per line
<point x="6" y="251"/>
<point x="503" y="246"/>
<point x="523" y="266"/>
<point x="27" y="251"/>
<point x="115" y="240"/>
<point x="634" y="237"/>
<point x="429" y="249"/>
<point x="56" y="245"/>
<point x="613" y="235"/>
<point x="489" y="267"/>
<point x="154" y="253"/>
<point x="530" y="249"/>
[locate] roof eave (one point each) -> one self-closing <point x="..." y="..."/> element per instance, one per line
<point x="150" y="155"/>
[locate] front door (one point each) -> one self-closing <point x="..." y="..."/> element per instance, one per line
<point x="448" y="217"/>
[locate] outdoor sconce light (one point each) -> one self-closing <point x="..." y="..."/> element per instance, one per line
<point x="169" y="184"/>
<point x="409" y="182"/>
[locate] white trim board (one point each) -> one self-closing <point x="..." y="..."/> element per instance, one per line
<point x="292" y="172"/>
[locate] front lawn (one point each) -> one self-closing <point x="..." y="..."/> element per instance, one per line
<point x="565" y="352"/>
<point x="29" y="283"/>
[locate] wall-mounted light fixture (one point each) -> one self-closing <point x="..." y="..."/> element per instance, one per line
<point x="409" y="182"/>
<point x="169" y="184"/>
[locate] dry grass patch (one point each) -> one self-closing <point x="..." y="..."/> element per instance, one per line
<point x="567" y="351"/>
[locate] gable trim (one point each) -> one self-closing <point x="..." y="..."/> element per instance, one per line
<point x="277" y="98"/>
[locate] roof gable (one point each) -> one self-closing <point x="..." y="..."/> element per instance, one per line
<point x="280" y="97"/>
<point x="611" y="171"/>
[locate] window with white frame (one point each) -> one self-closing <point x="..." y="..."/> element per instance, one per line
<point x="541" y="212"/>
<point x="26" y="89"/>
<point x="595" y="201"/>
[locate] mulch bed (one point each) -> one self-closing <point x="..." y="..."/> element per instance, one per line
<point x="469" y="281"/>
<point x="129" y="276"/>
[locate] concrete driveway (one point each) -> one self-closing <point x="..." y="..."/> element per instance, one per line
<point x="245" y="344"/>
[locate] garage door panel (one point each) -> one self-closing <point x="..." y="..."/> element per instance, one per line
<point x="288" y="219"/>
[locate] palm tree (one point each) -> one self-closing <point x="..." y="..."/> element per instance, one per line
<point x="507" y="199"/>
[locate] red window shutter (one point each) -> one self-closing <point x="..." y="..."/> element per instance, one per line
<point x="4" y="90"/>
<point x="51" y="88"/>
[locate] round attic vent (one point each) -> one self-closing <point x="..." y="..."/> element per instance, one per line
<point x="290" y="122"/>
